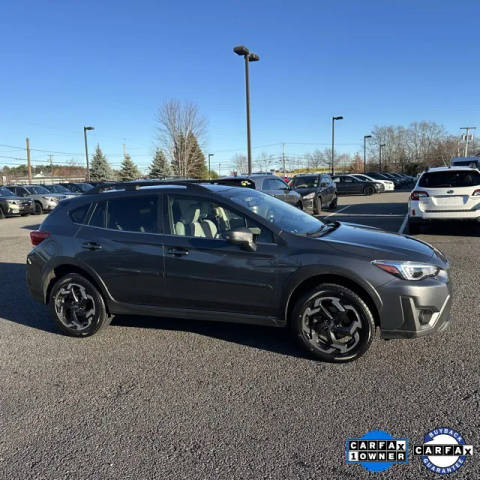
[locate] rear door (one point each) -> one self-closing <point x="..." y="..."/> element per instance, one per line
<point x="450" y="190"/>
<point x="123" y="244"/>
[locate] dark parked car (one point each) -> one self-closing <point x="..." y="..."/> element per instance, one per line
<point x="269" y="184"/>
<point x="81" y="187"/>
<point x="57" y="188"/>
<point x="317" y="191"/>
<point x="383" y="176"/>
<point x="43" y="200"/>
<point x="348" y="185"/>
<point x="216" y="252"/>
<point x="10" y="204"/>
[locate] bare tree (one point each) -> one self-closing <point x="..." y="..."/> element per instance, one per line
<point x="240" y="164"/>
<point x="317" y="159"/>
<point x="181" y="130"/>
<point x="265" y="162"/>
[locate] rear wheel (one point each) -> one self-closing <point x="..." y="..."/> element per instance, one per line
<point x="38" y="208"/>
<point x="2" y="214"/>
<point x="368" y="190"/>
<point x="318" y="205"/>
<point x="77" y="306"/>
<point x="333" y="204"/>
<point x="333" y="323"/>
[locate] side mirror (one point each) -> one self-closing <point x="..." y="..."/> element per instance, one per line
<point x="242" y="237"/>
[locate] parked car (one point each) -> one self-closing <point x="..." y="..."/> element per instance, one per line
<point x="76" y="187"/>
<point x="379" y="186"/>
<point x="222" y="253"/>
<point x="269" y="184"/>
<point x="317" y="191"/>
<point x="383" y="176"/>
<point x="10" y="204"/>
<point x="444" y="193"/>
<point x="60" y="189"/>
<point x="43" y="200"/>
<point x="348" y="185"/>
<point x="388" y="185"/>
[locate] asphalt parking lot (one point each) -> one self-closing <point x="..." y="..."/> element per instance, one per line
<point x="171" y="399"/>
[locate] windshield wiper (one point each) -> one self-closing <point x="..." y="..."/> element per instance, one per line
<point x="327" y="228"/>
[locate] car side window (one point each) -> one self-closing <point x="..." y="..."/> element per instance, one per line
<point x="347" y="179"/>
<point x="336" y="179"/>
<point x="136" y="213"/>
<point x="273" y="184"/>
<point x="197" y="217"/>
<point x="98" y="217"/>
<point x="78" y="215"/>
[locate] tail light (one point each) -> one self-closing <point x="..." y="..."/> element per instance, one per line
<point x="476" y="193"/>
<point x="37" y="237"/>
<point x="417" y="194"/>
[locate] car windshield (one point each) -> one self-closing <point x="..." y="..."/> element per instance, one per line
<point x="452" y="178"/>
<point x="56" y="189"/>
<point x="5" y="192"/>
<point x="305" y="182"/>
<point x="284" y="216"/>
<point x="37" y="190"/>
<point x="84" y="187"/>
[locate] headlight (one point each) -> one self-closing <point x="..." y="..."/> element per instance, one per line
<point x="309" y="196"/>
<point x="409" y="270"/>
<point x="50" y="199"/>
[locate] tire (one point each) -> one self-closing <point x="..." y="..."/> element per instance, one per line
<point x="318" y="205"/>
<point x="333" y="204"/>
<point x="368" y="191"/>
<point x="62" y="303"/>
<point x="38" y="208"/>
<point x="299" y="205"/>
<point x="25" y="214"/>
<point x="356" y="318"/>
<point x="2" y="215"/>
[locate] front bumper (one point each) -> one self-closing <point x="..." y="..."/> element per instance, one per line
<point x="413" y="310"/>
<point x="19" y="209"/>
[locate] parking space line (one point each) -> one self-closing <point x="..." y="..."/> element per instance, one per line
<point x="404" y="223"/>
<point x="338" y="211"/>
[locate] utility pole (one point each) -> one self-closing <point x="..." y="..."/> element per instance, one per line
<point x="29" y="165"/>
<point x="51" y="166"/>
<point x="365" y="152"/>
<point x="467" y="136"/>
<point x="219" y="169"/>
<point x="283" y="158"/>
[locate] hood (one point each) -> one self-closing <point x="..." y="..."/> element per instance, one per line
<point x="378" y="244"/>
<point x="17" y="199"/>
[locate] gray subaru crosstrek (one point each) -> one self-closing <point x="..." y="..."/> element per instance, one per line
<point x="216" y="252"/>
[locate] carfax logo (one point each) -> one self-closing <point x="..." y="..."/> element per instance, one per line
<point x="377" y="450"/>
<point x="443" y="451"/>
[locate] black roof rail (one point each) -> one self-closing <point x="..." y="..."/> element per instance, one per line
<point x="132" y="186"/>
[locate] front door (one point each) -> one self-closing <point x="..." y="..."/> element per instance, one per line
<point x="206" y="272"/>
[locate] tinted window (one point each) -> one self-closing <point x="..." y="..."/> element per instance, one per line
<point x="98" y="218"/>
<point x="78" y="214"/>
<point x="133" y="214"/>
<point x="273" y="184"/>
<point x="5" y="192"/>
<point x="305" y="182"/>
<point x="336" y="179"/>
<point x="38" y="190"/>
<point x="196" y="217"/>
<point x="450" y="179"/>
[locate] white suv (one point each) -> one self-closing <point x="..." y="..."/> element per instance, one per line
<point x="445" y="193"/>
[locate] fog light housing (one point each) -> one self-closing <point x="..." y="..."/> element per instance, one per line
<point x="425" y="316"/>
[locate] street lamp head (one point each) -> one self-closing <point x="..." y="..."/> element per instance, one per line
<point x="367" y="136"/>
<point x="211" y="154"/>
<point x="338" y="118"/>
<point x="89" y="128"/>
<point x="253" y="57"/>
<point x="382" y="144"/>
<point x="241" y="50"/>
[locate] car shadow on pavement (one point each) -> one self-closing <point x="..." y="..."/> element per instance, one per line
<point x="453" y="229"/>
<point x="17" y="304"/>
<point x="31" y="227"/>
<point x="277" y="340"/>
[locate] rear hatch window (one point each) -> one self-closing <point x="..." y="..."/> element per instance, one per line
<point x="305" y="182"/>
<point x="450" y="179"/>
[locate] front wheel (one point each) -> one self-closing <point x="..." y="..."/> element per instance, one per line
<point x="333" y="323"/>
<point x="2" y="214"/>
<point x="77" y="306"/>
<point x="318" y="205"/>
<point x="369" y="191"/>
<point x="38" y="208"/>
<point x="333" y="204"/>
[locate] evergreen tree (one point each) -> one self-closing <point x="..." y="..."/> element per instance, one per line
<point x="128" y="170"/>
<point x="100" y="169"/>
<point x="188" y="158"/>
<point x="159" y="167"/>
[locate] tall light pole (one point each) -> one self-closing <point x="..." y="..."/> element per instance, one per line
<point x="210" y="155"/>
<point x="380" y="157"/>
<point x="249" y="57"/>
<point x="86" y="150"/>
<point x="365" y="152"/>
<point x="333" y="142"/>
<point x="467" y="136"/>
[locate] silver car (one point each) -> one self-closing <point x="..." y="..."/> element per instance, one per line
<point x="44" y="201"/>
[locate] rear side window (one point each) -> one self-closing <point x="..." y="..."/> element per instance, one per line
<point x="274" y="184"/>
<point x="98" y="218"/>
<point x="133" y="214"/>
<point x="451" y="178"/>
<point x="77" y="215"/>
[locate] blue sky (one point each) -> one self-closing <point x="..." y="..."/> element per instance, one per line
<point x="111" y="64"/>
